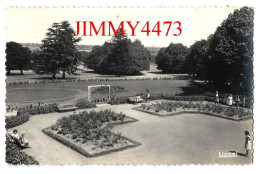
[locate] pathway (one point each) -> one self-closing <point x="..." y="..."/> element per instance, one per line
<point x="181" y="139"/>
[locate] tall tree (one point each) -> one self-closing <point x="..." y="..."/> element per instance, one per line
<point x="118" y="60"/>
<point x="17" y="57"/>
<point x="120" y="56"/>
<point x="230" y="54"/>
<point x="58" y="52"/>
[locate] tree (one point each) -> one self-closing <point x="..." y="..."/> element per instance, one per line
<point x="58" y="52"/>
<point x="171" y="59"/>
<point x="119" y="57"/>
<point x="96" y="59"/>
<point x="194" y="60"/>
<point x="17" y="57"/>
<point x="230" y="54"/>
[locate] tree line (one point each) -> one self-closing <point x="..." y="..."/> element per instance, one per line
<point x="224" y="59"/>
<point x="58" y="54"/>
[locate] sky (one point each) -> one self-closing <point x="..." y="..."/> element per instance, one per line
<point x="30" y="24"/>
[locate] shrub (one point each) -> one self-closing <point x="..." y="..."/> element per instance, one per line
<point x="119" y="100"/>
<point x="15" y="156"/>
<point x="83" y="103"/>
<point x="17" y="120"/>
<point x="49" y="108"/>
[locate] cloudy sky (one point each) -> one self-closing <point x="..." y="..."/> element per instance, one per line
<point x="29" y="25"/>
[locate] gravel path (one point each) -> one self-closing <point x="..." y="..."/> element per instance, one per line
<point x="181" y="139"/>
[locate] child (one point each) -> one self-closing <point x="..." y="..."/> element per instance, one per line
<point x="147" y="95"/>
<point x="216" y="98"/>
<point x="247" y="143"/>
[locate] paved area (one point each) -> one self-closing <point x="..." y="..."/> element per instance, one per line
<point x="181" y="139"/>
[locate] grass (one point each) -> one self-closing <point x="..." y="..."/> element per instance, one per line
<point x="58" y="91"/>
<point x="38" y="94"/>
<point x="82" y="73"/>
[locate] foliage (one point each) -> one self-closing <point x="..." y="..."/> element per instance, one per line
<point x="13" y="121"/>
<point x="23" y="114"/>
<point x="17" y="57"/>
<point x="195" y="56"/>
<point x="58" y="51"/>
<point x="170" y="106"/>
<point x="34" y="110"/>
<point x="88" y="126"/>
<point x="230" y="55"/>
<point x="15" y="156"/>
<point x="171" y="59"/>
<point x="83" y="103"/>
<point x="119" y="100"/>
<point x="121" y="56"/>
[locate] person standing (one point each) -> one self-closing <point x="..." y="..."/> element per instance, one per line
<point x="230" y="100"/>
<point x="216" y="98"/>
<point x="237" y="101"/>
<point x="147" y="95"/>
<point x="244" y="102"/>
<point x="247" y="143"/>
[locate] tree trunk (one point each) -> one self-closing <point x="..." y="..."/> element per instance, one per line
<point x="63" y="74"/>
<point x="21" y="71"/>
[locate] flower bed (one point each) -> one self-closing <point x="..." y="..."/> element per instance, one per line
<point x="169" y="108"/>
<point x="89" y="132"/>
<point x="15" y="156"/>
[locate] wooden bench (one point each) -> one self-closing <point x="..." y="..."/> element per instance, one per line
<point x="66" y="108"/>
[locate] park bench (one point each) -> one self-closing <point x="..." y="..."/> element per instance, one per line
<point x="67" y="107"/>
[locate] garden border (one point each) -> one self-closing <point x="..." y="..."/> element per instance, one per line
<point x="80" y="150"/>
<point x="194" y="112"/>
<point x="96" y="79"/>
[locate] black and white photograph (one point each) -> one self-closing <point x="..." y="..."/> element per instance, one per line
<point x="129" y="85"/>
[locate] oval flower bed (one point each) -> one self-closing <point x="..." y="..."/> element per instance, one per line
<point x="170" y="108"/>
<point x="89" y="132"/>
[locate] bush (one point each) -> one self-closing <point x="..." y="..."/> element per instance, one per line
<point x="16" y="120"/>
<point x="119" y="100"/>
<point x="82" y="104"/>
<point x="23" y="114"/>
<point x="15" y="156"/>
<point x="45" y="109"/>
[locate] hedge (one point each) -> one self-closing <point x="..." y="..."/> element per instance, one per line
<point x="83" y="104"/>
<point x="16" y="120"/>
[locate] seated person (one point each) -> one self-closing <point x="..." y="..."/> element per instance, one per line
<point x="139" y="99"/>
<point x="23" y="142"/>
<point x="14" y="136"/>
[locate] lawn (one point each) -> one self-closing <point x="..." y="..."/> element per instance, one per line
<point x="84" y="73"/>
<point x="57" y="92"/>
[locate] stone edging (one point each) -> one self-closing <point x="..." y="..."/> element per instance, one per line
<point x="85" y="153"/>
<point x="194" y="112"/>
